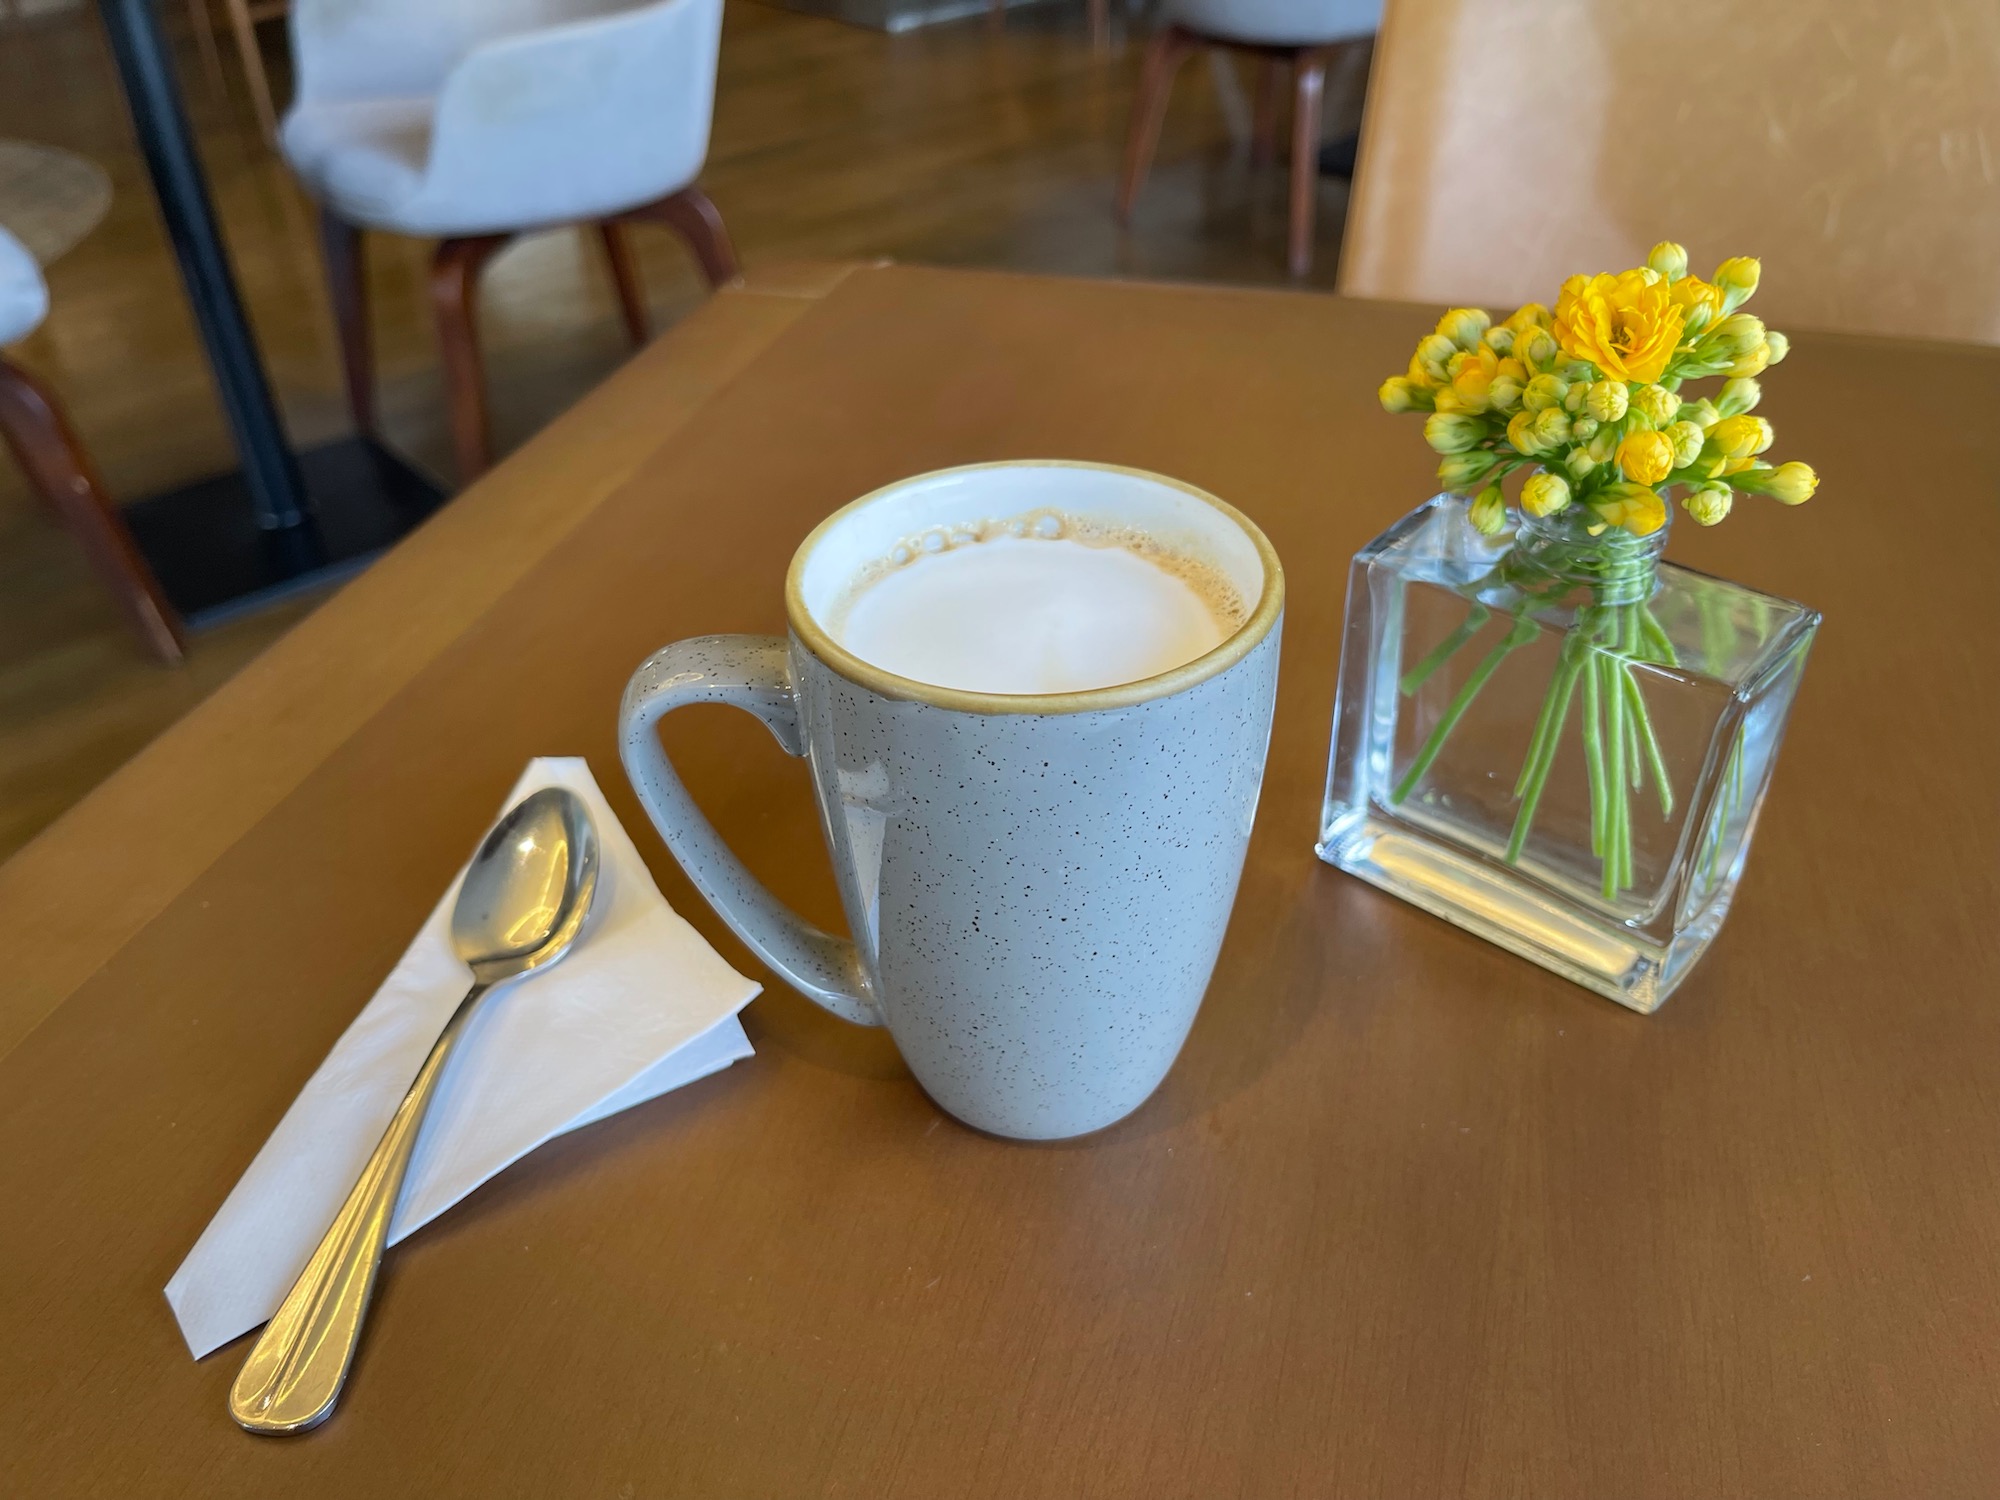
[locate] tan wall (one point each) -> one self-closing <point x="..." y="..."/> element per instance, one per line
<point x="1854" y="145"/>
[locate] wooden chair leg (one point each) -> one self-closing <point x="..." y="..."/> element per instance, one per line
<point x="1264" y="118"/>
<point x="625" y="278"/>
<point x="455" y="302"/>
<point x="253" y="67"/>
<point x="345" y="253"/>
<point x="1305" y="160"/>
<point x="60" y="469"/>
<point x="1167" y="51"/>
<point x="204" y="42"/>
<point x="692" y="216"/>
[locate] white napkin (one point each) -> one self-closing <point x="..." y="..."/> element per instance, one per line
<point x="641" y="1005"/>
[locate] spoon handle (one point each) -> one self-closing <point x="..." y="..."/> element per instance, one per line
<point x="294" y="1373"/>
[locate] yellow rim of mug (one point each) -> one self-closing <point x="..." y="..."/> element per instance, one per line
<point x="1270" y="604"/>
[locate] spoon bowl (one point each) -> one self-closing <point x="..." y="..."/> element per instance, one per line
<point x="528" y="889"/>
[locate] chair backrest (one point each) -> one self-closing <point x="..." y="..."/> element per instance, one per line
<point x="1279" y="21"/>
<point x="384" y="48"/>
<point x="1854" y="149"/>
<point x="24" y="296"/>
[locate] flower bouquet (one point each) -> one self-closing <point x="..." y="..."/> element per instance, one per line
<point x="1671" y="688"/>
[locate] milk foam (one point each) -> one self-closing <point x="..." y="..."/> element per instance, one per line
<point x="1038" y="605"/>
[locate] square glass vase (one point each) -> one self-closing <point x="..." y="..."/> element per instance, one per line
<point x="1557" y="742"/>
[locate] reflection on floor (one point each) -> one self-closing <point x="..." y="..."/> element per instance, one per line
<point x="962" y="144"/>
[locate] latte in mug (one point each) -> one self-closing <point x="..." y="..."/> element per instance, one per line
<point x="1039" y="603"/>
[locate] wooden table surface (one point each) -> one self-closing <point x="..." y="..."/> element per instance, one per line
<point x="1410" y="1217"/>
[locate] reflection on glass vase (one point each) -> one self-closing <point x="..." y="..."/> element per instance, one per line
<point x="1555" y="740"/>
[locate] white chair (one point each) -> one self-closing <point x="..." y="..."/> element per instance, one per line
<point x="1304" y="33"/>
<point x="33" y="424"/>
<point x="477" y="120"/>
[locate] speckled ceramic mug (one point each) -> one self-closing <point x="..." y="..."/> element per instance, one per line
<point x="1037" y="884"/>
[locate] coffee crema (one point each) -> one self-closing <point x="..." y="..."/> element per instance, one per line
<point x="1035" y="604"/>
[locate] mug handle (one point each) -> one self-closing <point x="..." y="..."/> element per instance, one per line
<point x="753" y="673"/>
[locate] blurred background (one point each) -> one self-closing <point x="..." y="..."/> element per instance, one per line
<point x="481" y="145"/>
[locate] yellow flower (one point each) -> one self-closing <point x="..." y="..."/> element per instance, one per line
<point x="1738" y="277"/>
<point x="1752" y="363"/>
<point x="1699" y="301"/>
<point x="1739" y="333"/>
<point x="1623" y="324"/>
<point x="1543" y="392"/>
<point x="1504" y="394"/>
<point x="1607" y="401"/>
<point x="1432" y="352"/>
<point x="1461" y="471"/>
<point x="1709" y="503"/>
<point x="1419" y="376"/>
<point x="1788" y="484"/>
<point x="1738" y="396"/>
<point x="1669" y="259"/>
<point x="1544" y="494"/>
<point x="1521" y="433"/>
<point x="1489" y="512"/>
<point x="1532" y="315"/>
<point x="1536" y="348"/>
<point x="1397" y="394"/>
<point x="1644" y="457"/>
<point x="1464" y="325"/>
<point x="1633" y="506"/>
<point x="1740" y="437"/>
<point x="1552" y="429"/>
<point x="1500" y="339"/>
<point x="1453" y="432"/>
<point x="1687" y="440"/>
<point x="1656" y="403"/>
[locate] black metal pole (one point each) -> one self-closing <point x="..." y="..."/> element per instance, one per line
<point x="270" y="472"/>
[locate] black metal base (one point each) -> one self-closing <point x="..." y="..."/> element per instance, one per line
<point x="215" y="562"/>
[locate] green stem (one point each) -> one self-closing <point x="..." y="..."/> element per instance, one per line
<point x="1649" y="741"/>
<point x="1445" y="649"/>
<point x="1593" y="753"/>
<point x="1616" y="805"/>
<point x="1656" y="637"/>
<point x="1520" y="635"/>
<point x="1542" y="754"/>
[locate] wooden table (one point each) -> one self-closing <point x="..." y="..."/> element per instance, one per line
<point x="1410" y="1218"/>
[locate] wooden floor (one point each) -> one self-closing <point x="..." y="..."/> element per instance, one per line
<point x="963" y="144"/>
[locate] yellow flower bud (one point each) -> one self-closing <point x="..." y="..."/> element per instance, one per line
<point x="1687" y="441"/>
<point x="1532" y="315"/>
<point x="1702" y="413"/>
<point x="1397" y="394"/>
<point x="1669" y="259"/>
<point x="1456" y="363"/>
<point x="1432" y="352"/>
<point x="1448" y="399"/>
<point x="1739" y="437"/>
<point x="1453" y="432"/>
<point x="1644" y="457"/>
<point x="1583" y="429"/>
<point x="1604" y="443"/>
<point x="1738" y="396"/>
<point x="1788" y="484"/>
<point x="1505" y="393"/>
<point x="1738" y="277"/>
<point x="1580" y="463"/>
<point x="1464" y="326"/>
<point x="1778" y="344"/>
<point x="1461" y="471"/>
<point x="1537" y="348"/>
<point x="1544" y="494"/>
<point x="1544" y="391"/>
<point x="1551" y="429"/>
<point x="1737" y="334"/>
<point x="1489" y="512"/>
<point x="1607" y="400"/>
<point x="1635" y="507"/>
<point x="1656" y="403"/>
<point x="1709" y="503"/>
<point x="1521" y="432"/>
<point x="1752" y="363"/>
<point x="1419" y="376"/>
<point x="1500" y="339"/>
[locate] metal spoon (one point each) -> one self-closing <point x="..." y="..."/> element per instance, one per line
<point x="522" y="904"/>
